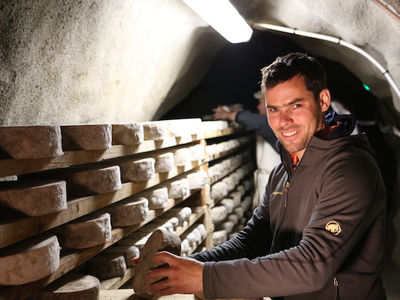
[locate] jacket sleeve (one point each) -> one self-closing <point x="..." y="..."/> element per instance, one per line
<point x="352" y="194"/>
<point x="258" y="124"/>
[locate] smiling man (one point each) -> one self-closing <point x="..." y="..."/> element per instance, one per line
<point x="318" y="231"/>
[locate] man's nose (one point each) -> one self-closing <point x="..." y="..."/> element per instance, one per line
<point x="285" y="118"/>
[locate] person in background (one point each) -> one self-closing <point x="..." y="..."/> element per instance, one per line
<point x="267" y="155"/>
<point x="319" y="230"/>
<point x="251" y="121"/>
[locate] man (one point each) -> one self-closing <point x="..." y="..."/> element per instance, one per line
<point x="318" y="232"/>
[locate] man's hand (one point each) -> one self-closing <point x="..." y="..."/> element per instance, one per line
<point x="183" y="275"/>
<point x="224" y="113"/>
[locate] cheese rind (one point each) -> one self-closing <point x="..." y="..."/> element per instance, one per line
<point x="86" y="232"/>
<point x="138" y="170"/>
<point x="127" y="134"/>
<point x="130" y="211"/>
<point x="72" y="286"/>
<point x="31" y="141"/>
<point x="86" y="137"/>
<point x="35" y="198"/>
<point x="30" y="260"/>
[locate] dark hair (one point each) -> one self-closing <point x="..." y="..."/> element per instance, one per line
<point x="286" y="67"/>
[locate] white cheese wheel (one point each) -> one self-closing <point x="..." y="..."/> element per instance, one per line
<point x="128" y="252"/>
<point x="182" y="157"/>
<point x="218" y="214"/>
<point x="219" y="237"/>
<point x="155" y="131"/>
<point x="158" y="198"/>
<point x="228" y="203"/>
<point x="236" y="197"/>
<point x="72" y="286"/>
<point x="93" y="181"/>
<point x="86" y="232"/>
<point x="106" y="265"/>
<point x="127" y="134"/>
<point x="128" y="212"/>
<point x="233" y="218"/>
<point x="179" y="188"/>
<point x="164" y="163"/>
<point x="227" y="226"/>
<point x="138" y="170"/>
<point x="197" y="180"/>
<point x="86" y="137"/>
<point x="219" y="190"/>
<point x="197" y="152"/>
<point x="29" y="260"/>
<point x="31" y="141"/>
<point x="35" y="198"/>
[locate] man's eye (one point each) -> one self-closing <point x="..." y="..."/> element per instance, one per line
<point x="296" y="105"/>
<point x="272" y="110"/>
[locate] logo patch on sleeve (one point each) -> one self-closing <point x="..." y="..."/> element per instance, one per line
<point x="333" y="227"/>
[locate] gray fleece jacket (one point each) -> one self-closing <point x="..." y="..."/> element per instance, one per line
<point x="317" y="234"/>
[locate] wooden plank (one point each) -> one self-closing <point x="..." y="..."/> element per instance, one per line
<point x="18" y="230"/>
<point x="11" y="167"/>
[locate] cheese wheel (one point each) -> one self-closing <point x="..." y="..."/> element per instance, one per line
<point x="158" y="198"/>
<point x="159" y="241"/>
<point x="130" y="211"/>
<point x="128" y="252"/>
<point x="106" y="265"/>
<point x="72" y="286"/>
<point x="197" y="180"/>
<point x="86" y="137"/>
<point x="182" y="157"/>
<point x="218" y="214"/>
<point x="86" y="232"/>
<point x="228" y="203"/>
<point x="138" y="170"/>
<point x="127" y="134"/>
<point x="164" y="162"/>
<point x="31" y="141"/>
<point x="197" y="152"/>
<point x="155" y="131"/>
<point x="219" y="237"/>
<point x="93" y="181"/>
<point x="179" y="188"/>
<point x="29" y="260"/>
<point x="219" y="190"/>
<point x="35" y="198"/>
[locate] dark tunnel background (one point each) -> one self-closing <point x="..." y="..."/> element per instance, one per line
<point x="235" y="75"/>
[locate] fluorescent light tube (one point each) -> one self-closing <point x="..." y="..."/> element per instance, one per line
<point x="224" y="18"/>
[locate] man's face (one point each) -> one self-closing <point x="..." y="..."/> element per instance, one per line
<point x="294" y="115"/>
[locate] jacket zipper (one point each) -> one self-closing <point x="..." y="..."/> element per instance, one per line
<point x="286" y="192"/>
<point x="336" y="284"/>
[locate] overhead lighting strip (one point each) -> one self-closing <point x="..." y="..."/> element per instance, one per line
<point x="224" y="18"/>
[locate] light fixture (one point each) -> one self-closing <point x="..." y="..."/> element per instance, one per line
<point x="224" y="18"/>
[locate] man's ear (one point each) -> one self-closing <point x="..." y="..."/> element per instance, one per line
<point x="325" y="99"/>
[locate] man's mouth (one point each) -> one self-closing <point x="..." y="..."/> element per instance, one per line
<point x="290" y="133"/>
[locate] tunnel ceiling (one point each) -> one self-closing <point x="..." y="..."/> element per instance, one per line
<point x="120" y="61"/>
